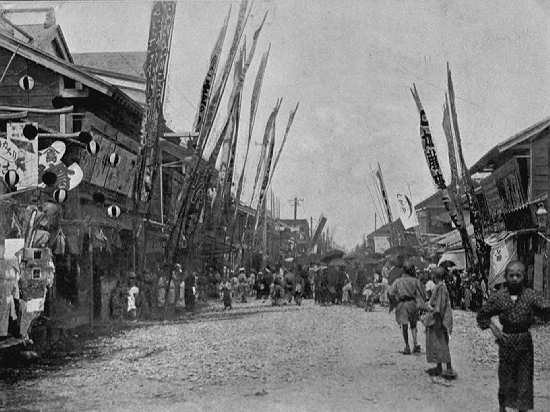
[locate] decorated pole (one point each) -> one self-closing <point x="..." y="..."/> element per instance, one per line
<point x="437" y="176"/>
<point x="475" y="213"/>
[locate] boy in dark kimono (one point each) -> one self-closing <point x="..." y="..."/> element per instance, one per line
<point x="516" y="306"/>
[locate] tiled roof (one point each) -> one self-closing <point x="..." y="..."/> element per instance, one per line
<point x="128" y="63"/>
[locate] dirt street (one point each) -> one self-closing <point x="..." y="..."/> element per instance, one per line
<point x="260" y="358"/>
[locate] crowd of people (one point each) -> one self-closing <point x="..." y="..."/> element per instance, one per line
<point x="427" y="296"/>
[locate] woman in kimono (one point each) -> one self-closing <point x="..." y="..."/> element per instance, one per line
<point x="439" y="325"/>
<point x="516" y="306"/>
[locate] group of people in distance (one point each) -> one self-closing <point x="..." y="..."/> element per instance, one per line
<point x="515" y="305"/>
<point x="282" y="286"/>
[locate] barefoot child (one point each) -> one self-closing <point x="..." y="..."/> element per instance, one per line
<point x="439" y="324"/>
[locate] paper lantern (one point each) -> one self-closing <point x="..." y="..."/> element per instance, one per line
<point x="49" y="178"/>
<point x="92" y="147"/>
<point x="29" y="131"/>
<point x="60" y="195"/>
<point x="114" y="158"/>
<point x="26" y="83"/>
<point x="113" y="211"/>
<point x="85" y="137"/>
<point x="11" y="177"/>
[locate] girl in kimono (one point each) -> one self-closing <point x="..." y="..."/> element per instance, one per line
<point x="516" y="306"/>
<point x="439" y="325"/>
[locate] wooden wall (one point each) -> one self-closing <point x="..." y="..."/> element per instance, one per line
<point x="46" y="86"/>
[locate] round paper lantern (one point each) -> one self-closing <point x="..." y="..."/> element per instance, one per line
<point x="92" y="147"/>
<point x="26" y="83"/>
<point x="113" y="211"/>
<point x="29" y="131"/>
<point x="49" y="178"/>
<point x="85" y="137"/>
<point x="11" y="177"/>
<point x="114" y="158"/>
<point x="98" y="197"/>
<point x="60" y="195"/>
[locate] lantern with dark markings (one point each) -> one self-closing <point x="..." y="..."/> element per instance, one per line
<point x="11" y="178"/>
<point x="60" y="195"/>
<point x="113" y="211"/>
<point x="114" y="159"/>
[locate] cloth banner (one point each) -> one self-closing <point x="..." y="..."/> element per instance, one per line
<point x="20" y="154"/>
<point x="407" y="211"/>
<point x="384" y="193"/>
<point x="210" y="77"/>
<point x="501" y="254"/>
<point x="156" y="69"/>
<point x="381" y="244"/>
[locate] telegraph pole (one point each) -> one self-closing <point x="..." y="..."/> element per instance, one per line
<point x="296" y="201"/>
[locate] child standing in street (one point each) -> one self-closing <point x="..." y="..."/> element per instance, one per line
<point x="226" y="293"/>
<point x="439" y="325"/>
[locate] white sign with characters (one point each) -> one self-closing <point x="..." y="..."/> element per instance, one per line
<point x="381" y="244"/>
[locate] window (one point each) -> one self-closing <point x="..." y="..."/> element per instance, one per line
<point x="68" y="83"/>
<point x="77" y="119"/>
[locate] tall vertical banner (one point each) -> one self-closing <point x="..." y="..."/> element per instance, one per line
<point x="156" y="69"/>
<point x="384" y="193"/>
<point x="437" y="175"/>
<point x="253" y="109"/>
<point x="455" y="194"/>
<point x="210" y="78"/>
<point x="270" y="129"/>
<point x="212" y="110"/>
<point x="475" y="213"/>
<point x="288" y="125"/>
<point x="407" y="211"/>
<point x="318" y="230"/>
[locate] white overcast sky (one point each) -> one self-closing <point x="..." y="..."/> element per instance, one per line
<point x="350" y="64"/>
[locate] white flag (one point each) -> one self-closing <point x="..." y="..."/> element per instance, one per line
<point x="407" y="212"/>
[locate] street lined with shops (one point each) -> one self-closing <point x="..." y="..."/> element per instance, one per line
<point x="286" y="358"/>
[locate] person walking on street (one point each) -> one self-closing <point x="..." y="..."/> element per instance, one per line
<point x="439" y="325"/>
<point x="406" y="294"/>
<point x="516" y="307"/>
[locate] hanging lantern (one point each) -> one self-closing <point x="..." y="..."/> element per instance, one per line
<point x="85" y="137"/>
<point x="114" y="158"/>
<point x="60" y="195"/>
<point x="49" y="178"/>
<point x="93" y="147"/>
<point x="113" y="211"/>
<point x="11" y="177"/>
<point x="29" y="131"/>
<point x="26" y="83"/>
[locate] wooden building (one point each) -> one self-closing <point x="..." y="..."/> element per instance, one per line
<point x="99" y="250"/>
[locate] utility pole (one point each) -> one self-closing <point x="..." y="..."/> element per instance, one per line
<point x="296" y="201"/>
